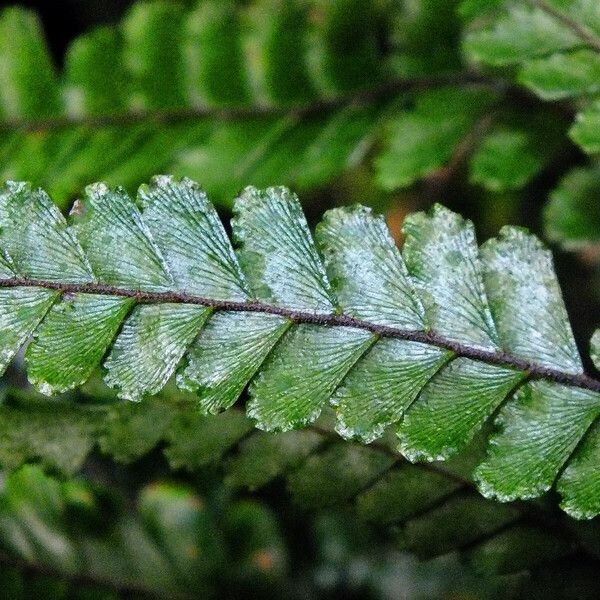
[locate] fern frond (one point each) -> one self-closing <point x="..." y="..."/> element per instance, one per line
<point x="215" y="92"/>
<point x="225" y="87"/>
<point x="57" y="542"/>
<point x="502" y="148"/>
<point x="255" y="85"/>
<point x="430" y="342"/>
<point x="556" y="48"/>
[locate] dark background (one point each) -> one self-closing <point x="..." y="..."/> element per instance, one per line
<point x="66" y="19"/>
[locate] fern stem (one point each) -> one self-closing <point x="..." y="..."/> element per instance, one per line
<point x="582" y="32"/>
<point x="533" y="370"/>
<point x="228" y="113"/>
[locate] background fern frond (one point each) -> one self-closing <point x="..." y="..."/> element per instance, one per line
<point x="155" y="91"/>
<point x="571" y="215"/>
<point x="555" y="49"/>
<point x="215" y="92"/>
<point x="429" y="509"/>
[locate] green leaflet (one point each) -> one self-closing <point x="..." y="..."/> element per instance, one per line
<point x="522" y="32"/>
<point x="595" y="348"/>
<point x="466" y="518"/>
<point x="150" y="346"/>
<point x="348" y="44"/>
<point x="423" y="32"/>
<point x="420" y="142"/>
<point x="277" y="31"/>
<point x="197" y="441"/>
<point x="508" y="158"/>
<point x="553" y="420"/>
<point x="563" y="75"/>
<point x="118" y="243"/>
<point x="58" y="435"/>
<point x="336" y="475"/>
<point x="378" y="390"/>
<point x="227" y="354"/>
<point x="451" y="125"/>
<point x="263" y="149"/>
<point x="372" y="283"/>
<point x="238" y="147"/>
<point x="417" y="489"/>
<point x="29" y="219"/>
<point x="277" y="252"/>
<point x="302" y="373"/>
<point x="28" y="83"/>
<point x="265" y="456"/>
<point x="72" y="340"/>
<point x="442" y="255"/>
<point x="584" y="131"/>
<point x="579" y="483"/>
<point x="572" y="215"/>
<point x="213" y="54"/>
<point x="21" y="310"/>
<point x="192" y="239"/>
<point x="95" y="80"/>
<point x="517" y="268"/>
<point x="365" y="267"/>
<point x="452" y="407"/>
<point x="531" y="324"/>
<point x="428" y="342"/>
<point x="153" y="54"/>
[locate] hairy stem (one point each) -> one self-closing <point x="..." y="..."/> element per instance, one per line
<point x="533" y="370"/>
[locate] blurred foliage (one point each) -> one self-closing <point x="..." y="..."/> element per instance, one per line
<point x="173" y="514"/>
<point x="294" y="93"/>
